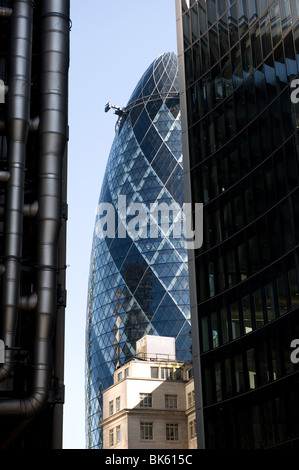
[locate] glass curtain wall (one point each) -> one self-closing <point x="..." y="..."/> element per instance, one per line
<point x="239" y="61"/>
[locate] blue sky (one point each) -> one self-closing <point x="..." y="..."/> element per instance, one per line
<point x="112" y="44"/>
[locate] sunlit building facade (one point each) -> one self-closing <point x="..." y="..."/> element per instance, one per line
<point x="151" y="402"/>
<point x="138" y="287"/>
<point x="238" y="60"/>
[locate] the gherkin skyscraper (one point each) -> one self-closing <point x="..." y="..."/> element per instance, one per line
<point x="138" y="286"/>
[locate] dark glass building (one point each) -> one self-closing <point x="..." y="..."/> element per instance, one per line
<point x="237" y="62"/>
<point x="34" y="65"/>
<point x="138" y="286"/>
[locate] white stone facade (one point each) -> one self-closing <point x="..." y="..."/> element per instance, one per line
<point x="150" y="406"/>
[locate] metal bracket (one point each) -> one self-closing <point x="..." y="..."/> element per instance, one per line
<point x="58" y="391"/>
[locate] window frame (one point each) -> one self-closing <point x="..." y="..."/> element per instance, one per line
<point x="145" y="400"/>
<point x="172" y="432"/>
<point x="146" y="431"/>
<point x="111" y="437"/>
<point x="192" y="429"/>
<point x="117" y="404"/>
<point x="166" y="373"/>
<point x="169" y="400"/>
<point x="118" y="434"/>
<point x="156" y="369"/>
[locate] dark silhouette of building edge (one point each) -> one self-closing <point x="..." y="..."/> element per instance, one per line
<point x="237" y="61"/>
<point x="34" y="64"/>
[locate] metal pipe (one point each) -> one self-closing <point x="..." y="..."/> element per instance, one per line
<point x="33" y="124"/>
<point x="30" y="210"/>
<point x="53" y="138"/>
<point x="28" y="302"/>
<point x="18" y="117"/>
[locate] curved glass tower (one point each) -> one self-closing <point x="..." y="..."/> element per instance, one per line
<point x="137" y="286"/>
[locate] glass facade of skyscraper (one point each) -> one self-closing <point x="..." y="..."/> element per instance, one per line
<point x="238" y="60"/>
<point x="137" y="286"/>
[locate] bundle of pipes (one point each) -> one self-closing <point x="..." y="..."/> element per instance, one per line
<point x="52" y="128"/>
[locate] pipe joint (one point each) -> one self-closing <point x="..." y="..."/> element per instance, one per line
<point x="30" y="210"/>
<point x="29" y="302"/>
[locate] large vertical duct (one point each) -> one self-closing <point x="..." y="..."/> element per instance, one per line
<point x="18" y="119"/>
<point x="52" y="143"/>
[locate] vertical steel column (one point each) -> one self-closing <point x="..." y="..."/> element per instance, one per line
<point x="53" y="135"/>
<point x="18" y="119"/>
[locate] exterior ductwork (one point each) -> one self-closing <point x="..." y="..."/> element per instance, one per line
<point x="29" y="302"/>
<point x="29" y="210"/>
<point x="53" y="135"/>
<point x="18" y="111"/>
<point x="33" y="124"/>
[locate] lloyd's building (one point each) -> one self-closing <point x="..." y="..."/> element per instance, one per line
<point x="138" y="286"/>
<point x="34" y="69"/>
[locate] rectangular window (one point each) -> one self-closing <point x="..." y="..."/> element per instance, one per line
<point x="247" y="314"/>
<point x="294" y="291"/>
<point x="282" y="297"/>
<point x="127" y="372"/>
<point x="172" y="432"/>
<point x="192" y="429"/>
<point x="145" y="400"/>
<point x="178" y="374"/>
<point x="111" y="437"/>
<point x="239" y="373"/>
<point x="224" y="325"/>
<point x="235" y="316"/>
<point x="171" y="401"/>
<point x="117" y="401"/>
<point x="191" y="398"/>
<point x="146" y="431"/>
<point x="258" y="307"/>
<point x="110" y="408"/>
<point x="118" y="436"/>
<point x="270" y="301"/>
<point x="166" y="373"/>
<point x="120" y="376"/>
<point x="250" y="355"/>
<point x="215" y="329"/>
<point x="154" y="372"/>
<point x="218" y="380"/>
